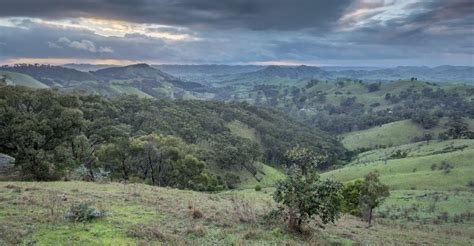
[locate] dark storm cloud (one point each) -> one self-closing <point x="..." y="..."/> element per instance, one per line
<point x="437" y="21"/>
<point x="425" y="32"/>
<point x="253" y="14"/>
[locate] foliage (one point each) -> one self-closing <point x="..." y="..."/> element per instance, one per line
<point x="458" y="129"/>
<point x="34" y="130"/>
<point x="304" y="159"/>
<point x="304" y="196"/>
<point x="351" y="193"/>
<point x="258" y="188"/>
<point x="372" y="194"/>
<point x="52" y="134"/>
<point x="83" y="212"/>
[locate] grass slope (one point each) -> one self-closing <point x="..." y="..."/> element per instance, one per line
<point x="421" y="189"/>
<point x="415" y="171"/>
<point x="13" y="78"/>
<point x="32" y="213"/>
<point x="392" y="134"/>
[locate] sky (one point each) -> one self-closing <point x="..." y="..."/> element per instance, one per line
<point x="282" y="32"/>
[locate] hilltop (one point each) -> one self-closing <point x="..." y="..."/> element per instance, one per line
<point x="139" y="79"/>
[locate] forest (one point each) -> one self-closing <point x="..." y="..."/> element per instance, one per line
<point x="54" y="135"/>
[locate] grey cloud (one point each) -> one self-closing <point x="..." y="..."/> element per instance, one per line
<point x="253" y="14"/>
<point x="239" y="31"/>
<point x="83" y="44"/>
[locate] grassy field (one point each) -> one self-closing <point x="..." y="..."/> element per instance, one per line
<point x="433" y="184"/>
<point x="33" y="213"/>
<point x="392" y="134"/>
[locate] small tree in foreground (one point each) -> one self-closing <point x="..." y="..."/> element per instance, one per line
<point x="372" y="194"/>
<point x="351" y="193"/>
<point x="303" y="195"/>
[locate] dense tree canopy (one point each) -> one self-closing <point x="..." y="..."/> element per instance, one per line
<point x="51" y="134"/>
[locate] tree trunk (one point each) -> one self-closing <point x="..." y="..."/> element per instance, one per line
<point x="150" y="164"/>
<point x="89" y="168"/>
<point x="370" y="217"/>
<point x="124" y="169"/>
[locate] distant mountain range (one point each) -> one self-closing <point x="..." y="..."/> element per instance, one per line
<point x="139" y="79"/>
<point x="435" y="74"/>
<point x="207" y="81"/>
<point x="219" y="73"/>
<point x="87" y="67"/>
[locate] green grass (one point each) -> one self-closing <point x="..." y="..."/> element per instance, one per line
<point x="421" y="191"/>
<point x="392" y="134"/>
<point x="31" y="213"/>
<point x="426" y="205"/>
<point x="130" y="90"/>
<point x="266" y="177"/>
<point x="416" y="171"/>
<point x="242" y="130"/>
<point x="13" y="78"/>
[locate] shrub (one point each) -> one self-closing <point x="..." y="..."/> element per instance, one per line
<point x="83" y="212"/>
<point x="231" y="180"/>
<point x="372" y="194"/>
<point x="304" y="196"/>
<point x="258" y="188"/>
<point x="146" y="232"/>
<point x="351" y="193"/>
<point x="197" y="214"/>
<point x="446" y="167"/>
<point x="197" y="231"/>
<point x="399" y="154"/>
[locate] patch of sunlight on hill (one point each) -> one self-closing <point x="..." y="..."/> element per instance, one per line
<point x="266" y="176"/>
<point x="423" y="148"/>
<point x="242" y="130"/>
<point x="13" y="78"/>
<point x="130" y="90"/>
<point x="418" y="172"/>
<point x="393" y="134"/>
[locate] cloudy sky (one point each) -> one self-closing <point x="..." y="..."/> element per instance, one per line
<point x="313" y="32"/>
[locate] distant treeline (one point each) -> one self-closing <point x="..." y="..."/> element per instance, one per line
<point x="340" y="107"/>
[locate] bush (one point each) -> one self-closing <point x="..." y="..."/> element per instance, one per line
<point x="399" y="154"/>
<point x="83" y="212"/>
<point x="197" y="214"/>
<point x="146" y="232"/>
<point x="351" y="194"/>
<point x="302" y="197"/>
<point x="258" y="188"/>
<point x="231" y="180"/>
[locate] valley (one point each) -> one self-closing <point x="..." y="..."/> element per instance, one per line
<point x="194" y="154"/>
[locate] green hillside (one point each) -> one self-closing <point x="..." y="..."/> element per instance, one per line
<point x="139" y="79"/>
<point x="416" y="171"/>
<point x="433" y="184"/>
<point x="393" y="134"/>
<point x="12" y="78"/>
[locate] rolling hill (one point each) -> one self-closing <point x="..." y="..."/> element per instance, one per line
<point x="394" y="134"/>
<point x="138" y="79"/>
<point x="275" y="75"/>
<point x="457" y="74"/>
<point x="13" y="78"/>
<point x="220" y="73"/>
